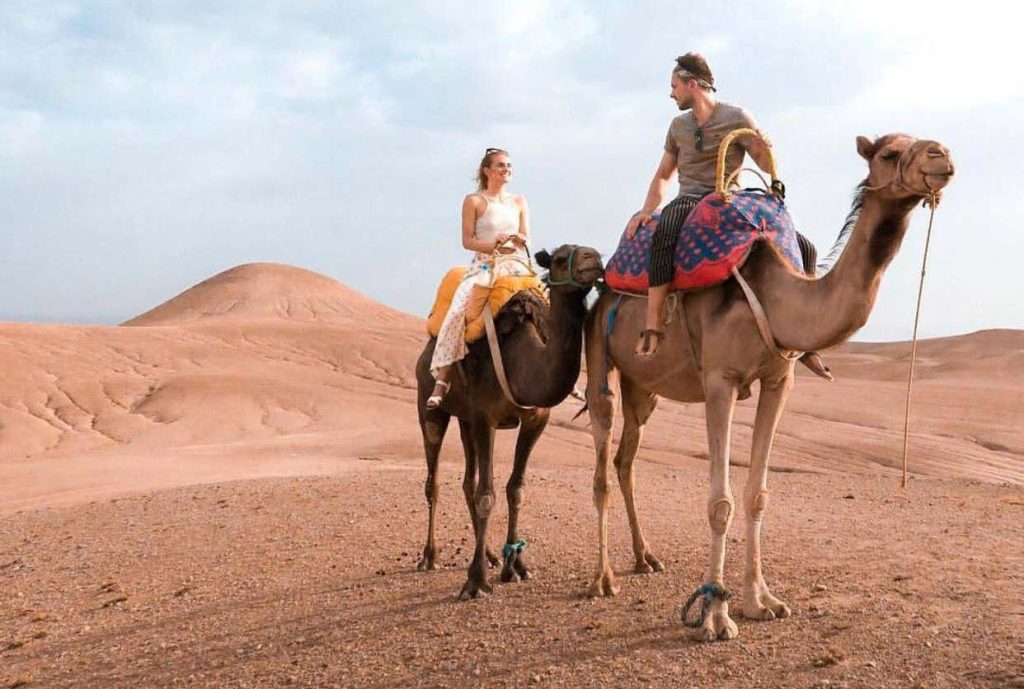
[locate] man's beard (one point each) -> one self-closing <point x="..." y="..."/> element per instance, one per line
<point x="684" y="105"/>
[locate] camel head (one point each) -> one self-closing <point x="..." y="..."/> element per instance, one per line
<point x="571" y="267"/>
<point x="901" y="166"/>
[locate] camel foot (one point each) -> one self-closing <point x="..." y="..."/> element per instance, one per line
<point x="765" y="607"/>
<point x="648" y="564"/>
<point x="717" y="625"/>
<point x="474" y="588"/>
<point x="603" y="585"/>
<point x="492" y="558"/>
<point x="429" y="560"/>
<point x="514" y="569"/>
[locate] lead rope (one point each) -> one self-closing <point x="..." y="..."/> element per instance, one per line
<point x="933" y="202"/>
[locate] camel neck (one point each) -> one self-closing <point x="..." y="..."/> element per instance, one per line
<point x="542" y="373"/>
<point x="812" y="314"/>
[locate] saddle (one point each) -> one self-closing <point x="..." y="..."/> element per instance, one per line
<point x="499" y="294"/>
<point x="717" y="236"/>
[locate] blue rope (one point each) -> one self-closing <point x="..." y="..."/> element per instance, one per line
<point x="509" y="548"/>
<point x="613" y="313"/>
<point x="707" y="593"/>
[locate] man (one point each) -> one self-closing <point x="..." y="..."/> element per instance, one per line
<point x="691" y="151"/>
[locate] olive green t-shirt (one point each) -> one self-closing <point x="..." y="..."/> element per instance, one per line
<point x="697" y="167"/>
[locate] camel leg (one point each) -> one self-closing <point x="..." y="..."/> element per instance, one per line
<point x="758" y="602"/>
<point x="433" y="425"/>
<point x="637" y="407"/>
<point x="530" y="431"/>
<point x="483" y="442"/>
<point x="720" y="396"/>
<point x="602" y="412"/>
<point x="469" y="484"/>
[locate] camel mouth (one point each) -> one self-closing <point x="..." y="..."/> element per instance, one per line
<point x="937" y="180"/>
<point x="589" y="274"/>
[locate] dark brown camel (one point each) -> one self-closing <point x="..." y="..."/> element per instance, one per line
<point x="541" y="347"/>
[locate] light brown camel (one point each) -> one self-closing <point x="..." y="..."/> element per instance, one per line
<point x="713" y="353"/>
<point x="541" y="349"/>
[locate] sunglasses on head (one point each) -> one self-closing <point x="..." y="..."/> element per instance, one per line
<point x="489" y="151"/>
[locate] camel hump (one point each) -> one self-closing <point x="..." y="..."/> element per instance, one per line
<point x="504" y="288"/>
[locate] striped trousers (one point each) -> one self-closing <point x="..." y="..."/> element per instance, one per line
<point x="666" y="234"/>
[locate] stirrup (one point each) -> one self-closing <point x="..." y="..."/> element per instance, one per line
<point x="434" y="401"/>
<point x="647" y="335"/>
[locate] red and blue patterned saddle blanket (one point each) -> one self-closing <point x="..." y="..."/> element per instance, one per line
<point x="716" y="237"/>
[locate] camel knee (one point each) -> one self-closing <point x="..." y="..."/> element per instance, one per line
<point x="601" y="492"/>
<point x="514" y="494"/>
<point x="757" y="505"/>
<point x="484" y="505"/>
<point x="431" y="489"/>
<point x="623" y="464"/>
<point x="720" y="515"/>
<point x="433" y="433"/>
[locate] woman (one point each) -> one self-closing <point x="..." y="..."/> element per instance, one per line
<point x="496" y="227"/>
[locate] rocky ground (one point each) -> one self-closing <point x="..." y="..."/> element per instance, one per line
<point x="313" y="582"/>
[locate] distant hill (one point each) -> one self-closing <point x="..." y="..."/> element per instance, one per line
<point x="268" y="290"/>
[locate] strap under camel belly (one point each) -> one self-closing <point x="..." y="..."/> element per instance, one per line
<point x="613" y="313"/>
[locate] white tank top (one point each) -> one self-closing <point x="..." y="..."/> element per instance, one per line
<point x="501" y="215"/>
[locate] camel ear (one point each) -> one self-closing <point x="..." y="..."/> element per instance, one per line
<point x="543" y="258"/>
<point x="865" y="147"/>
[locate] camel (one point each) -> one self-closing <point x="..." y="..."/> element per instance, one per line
<point x="713" y="352"/>
<point x="541" y="348"/>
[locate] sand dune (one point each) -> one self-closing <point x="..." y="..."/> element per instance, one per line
<point x="268" y="290"/>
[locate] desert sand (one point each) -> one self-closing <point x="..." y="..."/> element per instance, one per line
<point x="227" y="491"/>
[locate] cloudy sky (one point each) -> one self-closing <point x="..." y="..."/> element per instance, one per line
<point x="145" y="146"/>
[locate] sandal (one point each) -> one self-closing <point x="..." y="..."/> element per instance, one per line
<point x="434" y="401"/>
<point x="644" y="347"/>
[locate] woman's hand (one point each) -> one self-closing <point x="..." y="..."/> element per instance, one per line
<point x="501" y="243"/>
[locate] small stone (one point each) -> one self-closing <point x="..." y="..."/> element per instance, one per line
<point x="819" y="588"/>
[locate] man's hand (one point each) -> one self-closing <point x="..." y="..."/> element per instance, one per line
<point x="639" y="219"/>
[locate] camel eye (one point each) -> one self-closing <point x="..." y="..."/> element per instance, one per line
<point x="890" y="156"/>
